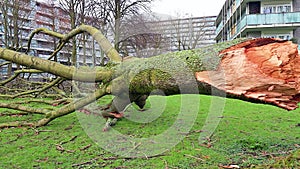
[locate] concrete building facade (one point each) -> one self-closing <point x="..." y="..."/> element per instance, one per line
<point x="259" y="18"/>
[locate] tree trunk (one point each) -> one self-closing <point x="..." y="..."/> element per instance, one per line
<point x="117" y="24"/>
<point x="259" y="70"/>
<point x="73" y="18"/>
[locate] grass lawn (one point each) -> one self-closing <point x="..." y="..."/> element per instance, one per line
<point x="248" y="135"/>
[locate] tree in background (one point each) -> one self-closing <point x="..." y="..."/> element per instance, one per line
<point x="76" y="11"/>
<point x="121" y="9"/>
<point x="98" y="18"/>
<point x="140" y="39"/>
<point x="110" y="15"/>
<point x="188" y="33"/>
<point x="14" y="16"/>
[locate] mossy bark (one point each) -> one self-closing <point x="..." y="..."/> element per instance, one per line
<point x="172" y="73"/>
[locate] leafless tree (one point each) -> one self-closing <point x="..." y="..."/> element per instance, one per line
<point x="188" y="33"/>
<point x="112" y="17"/>
<point x="76" y="11"/>
<point x="139" y="39"/>
<point x="118" y="10"/>
<point x="98" y="14"/>
<point x="14" y="16"/>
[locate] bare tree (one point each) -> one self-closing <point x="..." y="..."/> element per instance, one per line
<point x="92" y="12"/>
<point x="15" y="14"/>
<point x="188" y="33"/>
<point x="111" y="17"/>
<point x="140" y="39"/>
<point x="98" y="15"/>
<point x="53" y="15"/>
<point x="76" y="11"/>
<point x="119" y="10"/>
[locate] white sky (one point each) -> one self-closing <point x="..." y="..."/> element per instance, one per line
<point x="193" y="8"/>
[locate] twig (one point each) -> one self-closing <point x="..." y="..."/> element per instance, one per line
<point x="16" y="124"/>
<point x="69" y="127"/>
<point x="72" y="139"/>
<point x="4" y="63"/>
<point x="134" y="157"/>
<point x="18" y="136"/>
<point x="197" y="158"/>
<point x="7" y="113"/>
<point x="39" y="91"/>
<point x="166" y="164"/>
<point x="62" y="149"/>
<point x="85" y="147"/>
<point x="86" y="162"/>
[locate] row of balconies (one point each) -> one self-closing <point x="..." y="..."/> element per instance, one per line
<point x="182" y="26"/>
<point x="264" y="20"/>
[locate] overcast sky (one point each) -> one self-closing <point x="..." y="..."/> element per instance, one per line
<point x="188" y="7"/>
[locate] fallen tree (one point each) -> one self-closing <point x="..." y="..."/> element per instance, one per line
<point x="257" y="70"/>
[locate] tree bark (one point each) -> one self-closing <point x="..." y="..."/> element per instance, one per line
<point x="68" y="72"/>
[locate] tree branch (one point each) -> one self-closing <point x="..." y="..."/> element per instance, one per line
<point x="55" y="68"/>
<point x="47" y="86"/>
<point x="17" y="73"/>
<point x="23" y="108"/>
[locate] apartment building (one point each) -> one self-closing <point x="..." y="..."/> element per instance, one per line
<point x="193" y="32"/>
<point x="38" y="14"/>
<point x="161" y="36"/>
<point x="258" y="18"/>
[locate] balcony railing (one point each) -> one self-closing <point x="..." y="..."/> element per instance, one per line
<point x="267" y="20"/>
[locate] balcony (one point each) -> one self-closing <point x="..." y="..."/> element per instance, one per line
<point x="267" y="20"/>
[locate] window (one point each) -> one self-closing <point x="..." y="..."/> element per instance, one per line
<point x="277" y="8"/>
<point x="233" y="7"/>
<point x="271" y="36"/>
<point x="269" y="9"/>
<point x="281" y="36"/>
<point x="254" y="7"/>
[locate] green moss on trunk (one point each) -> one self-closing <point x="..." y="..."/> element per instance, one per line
<point x="173" y="73"/>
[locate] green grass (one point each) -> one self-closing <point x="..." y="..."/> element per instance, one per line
<point x="249" y="135"/>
